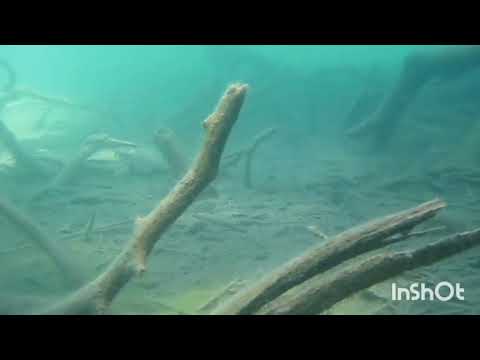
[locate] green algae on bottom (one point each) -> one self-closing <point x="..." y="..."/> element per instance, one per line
<point x="134" y="301"/>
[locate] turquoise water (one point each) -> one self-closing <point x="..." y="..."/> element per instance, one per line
<point x="311" y="171"/>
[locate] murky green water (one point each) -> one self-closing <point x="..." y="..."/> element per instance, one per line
<point x="359" y="132"/>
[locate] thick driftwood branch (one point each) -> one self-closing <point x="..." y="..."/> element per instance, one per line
<point x="321" y="292"/>
<point x="418" y="69"/>
<point x="327" y="255"/>
<point x="74" y="168"/>
<point x="62" y="259"/>
<point x="169" y="145"/>
<point x="96" y="296"/>
<point x="401" y="237"/>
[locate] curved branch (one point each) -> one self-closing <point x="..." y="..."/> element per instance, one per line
<point x="320" y="293"/>
<point x="327" y="255"/>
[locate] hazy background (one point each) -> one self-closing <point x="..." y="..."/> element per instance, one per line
<point x="146" y="84"/>
<point x="305" y="92"/>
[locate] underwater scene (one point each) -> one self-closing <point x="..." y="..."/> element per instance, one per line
<point x="239" y="179"/>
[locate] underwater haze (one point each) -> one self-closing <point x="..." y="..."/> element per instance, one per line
<point x="339" y="161"/>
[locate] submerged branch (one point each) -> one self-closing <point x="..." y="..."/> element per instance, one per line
<point x="73" y="169"/>
<point x="59" y="256"/>
<point x="327" y="255"/>
<point x="95" y="297"/>
<point x="320" y="293"/>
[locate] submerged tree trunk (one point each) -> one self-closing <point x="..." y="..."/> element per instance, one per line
<point x="418" y="69"/>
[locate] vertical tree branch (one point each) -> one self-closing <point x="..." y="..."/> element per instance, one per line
<point x="96" y="296"/>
